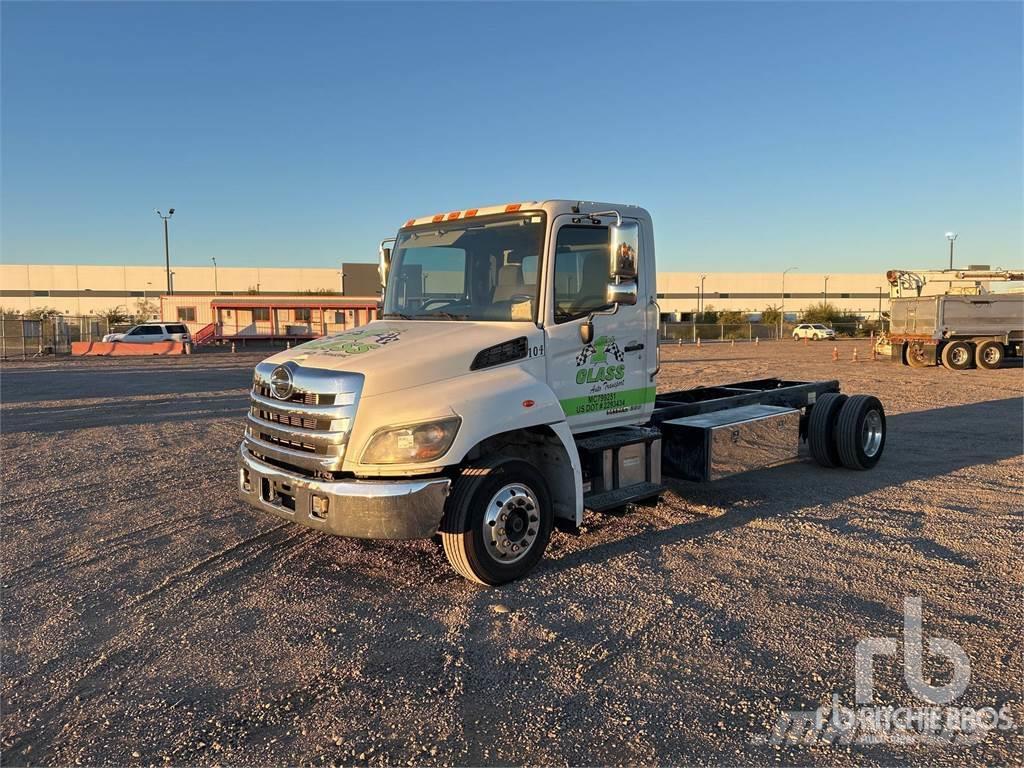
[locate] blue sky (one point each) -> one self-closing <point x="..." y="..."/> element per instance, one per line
<point x="840" y="136"/>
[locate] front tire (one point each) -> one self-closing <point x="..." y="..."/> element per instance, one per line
<point x="989" y="354"/>
<point x="916" y="357"/>
<point x="497" y="521"/>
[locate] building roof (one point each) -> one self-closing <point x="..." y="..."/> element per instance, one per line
<point x="312" y="301"/>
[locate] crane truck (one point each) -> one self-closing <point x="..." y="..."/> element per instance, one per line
<point x="968" y="325"/>
<point x="508" y="387"/>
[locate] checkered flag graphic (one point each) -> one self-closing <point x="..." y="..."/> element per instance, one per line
<point x="585" y="354"/>
<point x="387" y="338"/>
<point x="615" y="352"/>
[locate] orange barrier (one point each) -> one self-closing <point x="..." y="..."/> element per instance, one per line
<point x="126" y="349"/>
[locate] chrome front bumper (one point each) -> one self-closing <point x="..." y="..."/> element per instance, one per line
<point x="362" y="509"/>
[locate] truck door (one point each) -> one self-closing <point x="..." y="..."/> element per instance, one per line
<point x="606" y="382"/>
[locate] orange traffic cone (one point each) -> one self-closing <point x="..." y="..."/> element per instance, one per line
<point x="855" y="354"/>
<point x="835" y="354"/>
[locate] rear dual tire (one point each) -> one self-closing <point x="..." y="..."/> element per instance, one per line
<point x="989" y="354"/>
<point x="958" y="355"/>
<point x="846" y="430"/>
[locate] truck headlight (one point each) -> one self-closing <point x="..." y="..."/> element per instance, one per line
<point x="411" y="443"/>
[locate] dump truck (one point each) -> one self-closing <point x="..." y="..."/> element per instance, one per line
<point x="509" y="387"/>
<point x="968" y="326"/>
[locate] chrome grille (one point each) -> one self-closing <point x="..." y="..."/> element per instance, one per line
<point x="306" y="398"/>
<point x="308" y="431"/>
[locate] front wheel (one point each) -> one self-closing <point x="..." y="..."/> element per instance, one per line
<point x="497" y="521"/>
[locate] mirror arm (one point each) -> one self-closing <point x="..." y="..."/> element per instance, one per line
<point x="616" y="214"/>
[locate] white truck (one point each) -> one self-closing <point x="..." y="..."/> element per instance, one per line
<point x="509" y="385"/>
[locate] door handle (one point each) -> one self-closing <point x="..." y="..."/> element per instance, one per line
<point x="634" y="348"/>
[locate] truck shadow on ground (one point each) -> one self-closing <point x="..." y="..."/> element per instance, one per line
<point x="770" y="493"/>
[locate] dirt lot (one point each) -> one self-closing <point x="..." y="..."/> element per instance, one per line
<point x="150" y="618"/>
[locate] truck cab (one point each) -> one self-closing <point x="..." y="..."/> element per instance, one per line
<point x="509" y="380"/>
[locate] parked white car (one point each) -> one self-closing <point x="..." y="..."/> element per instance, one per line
<point x="150" y="332"/>
<point x="813" y="331"/>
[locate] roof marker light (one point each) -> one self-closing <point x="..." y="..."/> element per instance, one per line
<point x="438" y="217"/>
<point x="453" y="215"/>
<point x="410" y="222"/>
<point x="513" y="207"/>
<point x="471" y="212"/>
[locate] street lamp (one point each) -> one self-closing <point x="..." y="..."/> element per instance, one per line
<point x="700" y="297"/>
<point x="782" y="309"/>
<point x="826" y="291"/>
<point x="879" y="306"/>
<point x="216" y="290"/>
<point x="951" y="236"/>
<point x="167" y="248"/>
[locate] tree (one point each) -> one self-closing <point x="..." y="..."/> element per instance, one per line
<point x="115" y="315"/>
<point x="41" y="313"/>
<point x="709" y="315"/>
<point x="10" y="314"/>
<point x="145" y="310"/>
<point x="771" y="315"/>
<point x="732" y="317"/>
<point x="819" y="313"/>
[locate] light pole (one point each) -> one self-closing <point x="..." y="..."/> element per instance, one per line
<point x="879" y="306"/>
<point x="216" y="290"/>
<point x="951" y="236"/>
<point x="782" y="309"/>
<point x="826" y="291"/>
<point x="167" y="247"/>
<point x="700" y="297"/>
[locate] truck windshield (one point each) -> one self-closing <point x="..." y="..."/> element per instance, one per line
<point x="467" y="270"/>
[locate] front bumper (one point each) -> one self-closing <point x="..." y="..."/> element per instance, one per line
<point x="362" y="509"/>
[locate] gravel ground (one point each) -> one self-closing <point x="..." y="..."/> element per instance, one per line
<point x="150" y="618"/>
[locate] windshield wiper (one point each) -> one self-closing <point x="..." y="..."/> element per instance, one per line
<point x="445" y="315"/>
<point x="398" y="315"/>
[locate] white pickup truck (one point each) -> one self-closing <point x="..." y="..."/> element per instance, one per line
<point x="509" y="385"/>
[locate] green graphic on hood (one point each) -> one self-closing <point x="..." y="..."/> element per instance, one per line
<point x="353" y="342"/>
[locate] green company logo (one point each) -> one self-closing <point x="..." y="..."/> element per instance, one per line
<point x="354" y="342"/>
<point x="595" y="356"/>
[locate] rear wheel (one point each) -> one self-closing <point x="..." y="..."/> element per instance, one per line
<point x="958" y="355"/>
<point x="860" y="432"/>
<point x="497" y="521"/>
<point x="990" y="354"/>
<point x="821" y="427"/>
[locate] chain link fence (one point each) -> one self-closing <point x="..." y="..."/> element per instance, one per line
<point x="690" y="332"/>
<point x="23" y="337"/>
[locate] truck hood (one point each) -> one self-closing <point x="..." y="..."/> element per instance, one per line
<point x="397" y="354"/>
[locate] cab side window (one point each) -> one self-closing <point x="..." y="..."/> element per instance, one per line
<point x="581" y="272"/>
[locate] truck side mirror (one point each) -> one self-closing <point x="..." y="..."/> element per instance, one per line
<point x="624" y="247"/>
<point x="621" y="293"/>
<point x="384" y="264"/>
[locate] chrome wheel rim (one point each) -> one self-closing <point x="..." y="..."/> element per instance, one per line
<point x="511" y="523"/>
<point x="991" y="355"/>
<point x="871" y="433"/>
<point x="958" y="356"/>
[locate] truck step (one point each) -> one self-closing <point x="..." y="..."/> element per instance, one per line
<point x="606" y="500"/>
<point x="613" y="438"/>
